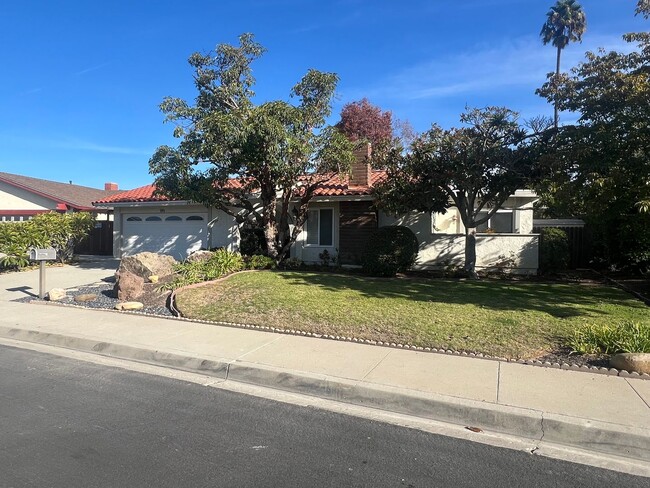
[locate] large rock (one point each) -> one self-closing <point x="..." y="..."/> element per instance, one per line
<point x="86" y="297"/>
<point x="128" y="286"/>
<point x="201" y="255"/>
<point x="147" y="264"/>
<point x="639" y="362"/>
<point x="56" y="294"/>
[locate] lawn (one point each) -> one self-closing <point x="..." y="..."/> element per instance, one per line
<point x="501" y="318"/>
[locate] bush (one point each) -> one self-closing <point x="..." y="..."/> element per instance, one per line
<point x="60" y="231"/>
<point x="553" y="250"/>
<point x="259" y="261"/>
<point x="610" y="339"/>
<point x="390" y="249"/>
<point x="251" y="240"/>
<point x="221" y="263"/>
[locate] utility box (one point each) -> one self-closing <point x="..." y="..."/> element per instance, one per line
<point x="46" y="254"/>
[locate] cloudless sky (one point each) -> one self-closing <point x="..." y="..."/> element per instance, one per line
<point x="81" y="81"/>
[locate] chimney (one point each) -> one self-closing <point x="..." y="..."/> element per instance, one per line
<point x="361" y="169"/>
<point x="111" y="187"/>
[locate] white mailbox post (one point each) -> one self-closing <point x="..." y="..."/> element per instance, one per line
<point x="42" y="255"/>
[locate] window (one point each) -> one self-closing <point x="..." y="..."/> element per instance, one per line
<point x="134" y="219"/>
<point x="320" y="227"/>
<point x="500" y="222"/>
<point x="194" y="217"/>
<point x="153" y="219"/>
<point x="173" y="217"/>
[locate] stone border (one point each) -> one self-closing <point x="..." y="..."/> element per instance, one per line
<point x="529" y="362"/>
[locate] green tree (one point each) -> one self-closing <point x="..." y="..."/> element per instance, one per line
<point x="565" y="22"/>
<point x="474" y="168"/>
<point x="259" y="163"/>
<point x="600" y="166"/>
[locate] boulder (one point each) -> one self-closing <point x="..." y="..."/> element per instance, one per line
<point x="129" y="306"/>
<point x="56" y="294"/>
<point x="202" y="255"/>
<point x="86" y="297"/>
<point x="639" y="362"/>
<point x="147" y="264"/>
<point x="128" y="286"/>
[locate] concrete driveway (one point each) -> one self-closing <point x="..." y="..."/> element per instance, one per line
<point x="88" y="269"/>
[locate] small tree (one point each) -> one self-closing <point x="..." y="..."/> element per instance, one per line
<point x="362" y="121"/>
<point x="474" y="168"/>
<point x="264" y="161"/>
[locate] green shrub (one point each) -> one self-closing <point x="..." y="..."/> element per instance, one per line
<point x="60" y="231"/>
<point x="553" y="250"/>
<point x="251" y="240"/>
<point x="221" y="263"/>
<point x="611" y="339"/>
<point x="390" y="249"/>
<point x="259" y="261"/>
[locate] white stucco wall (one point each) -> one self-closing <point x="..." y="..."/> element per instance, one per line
<point x="517" y="252"/>
<point x="223" y="230"/>
<point x="12" y="198"/>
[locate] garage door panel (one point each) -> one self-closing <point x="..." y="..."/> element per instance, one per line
<point x="175" y="235"/>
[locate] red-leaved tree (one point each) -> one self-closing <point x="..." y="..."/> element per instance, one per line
<point x="363" y="121"/>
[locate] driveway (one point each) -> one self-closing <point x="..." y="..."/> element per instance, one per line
<point x="89" y="269"/>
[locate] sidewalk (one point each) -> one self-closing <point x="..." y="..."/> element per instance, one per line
<point x="591" y="411"/>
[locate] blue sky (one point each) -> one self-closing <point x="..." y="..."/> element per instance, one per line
<point x="82" y="80"/>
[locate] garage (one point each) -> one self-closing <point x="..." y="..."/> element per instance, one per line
<point x="177" y="234"/>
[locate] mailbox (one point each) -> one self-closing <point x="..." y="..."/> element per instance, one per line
<point x="47" y="254"/>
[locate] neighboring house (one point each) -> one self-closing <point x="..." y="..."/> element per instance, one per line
<point x="23" y="197"/>
<point x="340" y="220"/>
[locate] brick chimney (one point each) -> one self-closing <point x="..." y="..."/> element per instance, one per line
<point x="111" y="187"/>
<point x="361" y="169"/>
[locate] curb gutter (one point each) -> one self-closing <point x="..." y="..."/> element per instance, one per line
<point x="612" y="439"/>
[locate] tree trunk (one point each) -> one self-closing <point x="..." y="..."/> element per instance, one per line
<point x="556" y="115"/>
<point x="470" y="253"/>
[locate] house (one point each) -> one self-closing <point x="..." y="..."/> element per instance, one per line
<point x="341" y="219"/>
<point x="23" y="197"/>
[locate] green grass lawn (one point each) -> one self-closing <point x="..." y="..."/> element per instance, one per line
<point x="502" y="318"/>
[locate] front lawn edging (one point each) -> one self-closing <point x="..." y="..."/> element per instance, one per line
<point x="531" y="362"/>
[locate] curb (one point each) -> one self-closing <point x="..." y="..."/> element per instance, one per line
<point x="601" y="437"/>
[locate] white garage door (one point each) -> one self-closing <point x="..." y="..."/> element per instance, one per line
<point x="174" y="234"/>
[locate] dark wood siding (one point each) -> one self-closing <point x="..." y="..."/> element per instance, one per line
<point x="356" y="224"/>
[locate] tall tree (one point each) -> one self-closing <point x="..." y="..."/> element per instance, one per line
<point x="259" y="163"/>
<point x="565" y="22"/>
<point x="600" y="168"/>
<point x="474" y="168"/>
<point x="365" y="122"/>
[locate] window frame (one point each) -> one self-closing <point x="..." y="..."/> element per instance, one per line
<point x="501" y="211"/>
<point x="305" y="228"/>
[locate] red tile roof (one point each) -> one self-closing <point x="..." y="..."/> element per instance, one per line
<point x="64" y="194"/>
<point x="333" y="187"/>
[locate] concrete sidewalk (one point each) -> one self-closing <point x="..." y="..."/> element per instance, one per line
<point x="591" y="411"/>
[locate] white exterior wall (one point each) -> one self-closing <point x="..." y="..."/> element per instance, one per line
<point x="516" y="252"/>
<point x="309" y="252"/>
<point x="223" y="230"/>
<point x="13" y="198"/>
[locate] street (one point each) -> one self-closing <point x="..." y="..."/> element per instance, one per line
<point x="68" y="423"/>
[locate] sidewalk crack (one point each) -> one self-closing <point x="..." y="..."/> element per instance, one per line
<point x="638" y="394"/>
<point x="239" y="358"/>
<point x="376" y="365"/>
<point x="498" y="380"/>
<point x="539" y="442"/>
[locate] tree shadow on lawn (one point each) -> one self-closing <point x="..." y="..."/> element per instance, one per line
<point x="556" y="299"/>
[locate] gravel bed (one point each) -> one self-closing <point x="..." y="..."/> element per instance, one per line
<point x="105" y="300"/>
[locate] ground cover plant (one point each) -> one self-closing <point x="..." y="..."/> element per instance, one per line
<point x="502" y="318"/>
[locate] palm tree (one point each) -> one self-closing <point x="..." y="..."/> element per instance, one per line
<point x="565" y="22"/>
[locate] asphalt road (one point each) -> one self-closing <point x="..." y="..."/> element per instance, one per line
<point x="67" y="423"/>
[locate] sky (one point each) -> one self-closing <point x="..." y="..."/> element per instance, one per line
<point x="81" y="81"/>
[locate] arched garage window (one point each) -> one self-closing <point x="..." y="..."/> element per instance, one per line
<point x="173" y="218"/>
<point x="194" y="217"/>
<point x="153" y="219"/>
<point x="134" y="219"/>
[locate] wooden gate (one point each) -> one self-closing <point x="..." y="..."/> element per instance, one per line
<point x="99" y="241"/>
